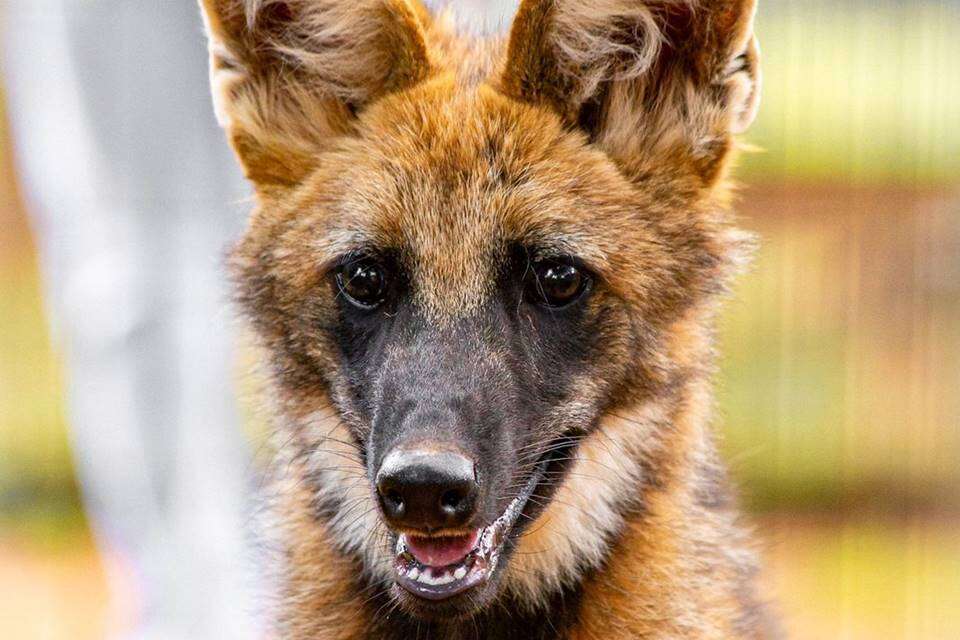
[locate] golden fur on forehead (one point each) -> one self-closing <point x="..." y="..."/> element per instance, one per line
<point x="448" y="177"/>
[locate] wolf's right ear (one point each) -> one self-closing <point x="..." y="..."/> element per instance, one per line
<point x="289" y="75"/>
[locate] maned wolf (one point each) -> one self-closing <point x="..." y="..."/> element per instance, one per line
<point x="486" y="273"/>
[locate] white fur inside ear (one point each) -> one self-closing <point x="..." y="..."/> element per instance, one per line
<point x="744" y="81"/>
<point x="224" y="69"/>
<point x="603" y="40"/>
<point x="225" y="74"/>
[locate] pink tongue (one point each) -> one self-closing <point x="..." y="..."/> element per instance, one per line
<point x="440" y="552"/>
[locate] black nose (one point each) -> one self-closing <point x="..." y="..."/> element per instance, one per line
<point x="427" y="490"/>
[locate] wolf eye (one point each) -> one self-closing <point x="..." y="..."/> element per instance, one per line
<point x="363" y="282"/>
<point x="558" y="282"/>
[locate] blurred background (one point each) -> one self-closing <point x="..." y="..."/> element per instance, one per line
<point x="840" y="377"/>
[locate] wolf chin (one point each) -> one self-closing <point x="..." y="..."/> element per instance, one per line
<point x="484" y="273"/>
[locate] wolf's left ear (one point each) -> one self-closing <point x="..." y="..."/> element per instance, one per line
<point x="659" y="84"/>
<point x="289" y="75"/>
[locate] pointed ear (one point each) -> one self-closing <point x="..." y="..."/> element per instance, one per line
<point x="657" y="83"/>
<point x="289" y="75"/>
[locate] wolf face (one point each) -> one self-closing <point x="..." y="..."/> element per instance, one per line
<point x="482" y="272"/>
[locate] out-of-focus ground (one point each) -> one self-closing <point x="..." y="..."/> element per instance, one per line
<point x="839" y="387"/>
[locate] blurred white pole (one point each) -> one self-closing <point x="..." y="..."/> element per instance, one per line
<point x="135" y="196"/>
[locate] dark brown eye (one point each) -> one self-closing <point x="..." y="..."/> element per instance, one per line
<point x="558" y="282"/>
<point x="363" y="282"/>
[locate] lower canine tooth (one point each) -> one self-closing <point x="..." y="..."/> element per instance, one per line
<point x="460" y="573"/>
<point x="414" y="573"/>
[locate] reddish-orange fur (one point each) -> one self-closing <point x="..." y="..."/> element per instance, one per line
<point x="604" y="127"/>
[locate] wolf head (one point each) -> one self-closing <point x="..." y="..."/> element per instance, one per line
<point x="480" y="268"/>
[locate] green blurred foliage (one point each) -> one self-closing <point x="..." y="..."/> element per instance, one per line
<point x="858" y="91"/>
<point x="36" y="474"/>
<point x="840" y="351"/>
<point x="889" y="579"/>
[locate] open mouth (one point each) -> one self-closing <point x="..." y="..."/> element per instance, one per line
<point x="437" y="568"/>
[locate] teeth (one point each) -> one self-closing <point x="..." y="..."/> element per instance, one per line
<point x="436" y="577"/>
<point x="482" y="558"/>
<point x="427" y="578"/>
